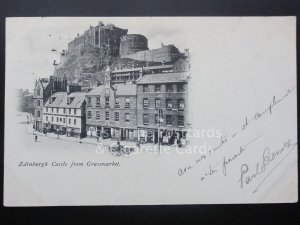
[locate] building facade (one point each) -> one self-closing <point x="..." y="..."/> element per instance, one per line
<point x="44" y="88"/>
<point x="164" y="95"/>
<point x="132" y="43"/>
<point x="64" y="113"/>
<point x="111" y="111"/>
<point x="166" y="53"/>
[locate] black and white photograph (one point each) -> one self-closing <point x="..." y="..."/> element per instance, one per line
<point x="150" y="111"/>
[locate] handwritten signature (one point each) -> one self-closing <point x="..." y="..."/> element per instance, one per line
<point x="268" y="158"/>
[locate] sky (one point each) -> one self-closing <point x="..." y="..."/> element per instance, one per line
<point x="29" y="41"/>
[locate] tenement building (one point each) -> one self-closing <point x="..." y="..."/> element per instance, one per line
<point x="44" y="88"/>
<point x="111" y="111"/>
<point x="64" y="113"/>
<point x="167" y="93"/>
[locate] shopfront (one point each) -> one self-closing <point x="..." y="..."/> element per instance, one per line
<point x="166" y="136"/>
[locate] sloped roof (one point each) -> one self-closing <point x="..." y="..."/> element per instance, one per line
<point x="163" y="78"/>
<point x="61" y="100"/>
<point x="97" y="90"/>
<point x="125" y="89"/>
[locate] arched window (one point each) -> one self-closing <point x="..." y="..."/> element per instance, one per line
<point x="38" y="91"/>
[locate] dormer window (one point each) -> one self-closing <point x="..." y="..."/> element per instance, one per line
<point x="70" y="100"/>
<point x="52" y="99"/>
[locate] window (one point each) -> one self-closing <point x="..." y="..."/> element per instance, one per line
<point x="64" y="111"/>
<point x="69" y="111"/>
<point x="127" y="103"/>
<point x="169" y="88"/>
<point x="180" y="104"/>
<point x="106" y="115"/>
<point x="56" y="119"/>
<point x="52" y="110"/>
<point x="64" y="120"/>
<point x="157" y="103"/>
<point x="38" y="103"/>
<point x="145" y="119"/>
<point x="56" y="110"/>
<point x="157" y="88"/>
<point x="60" y="120"/>
<point x="145" y="88"/>
<point x="169" y="120"/>
<point x="69" y="121"/>
<point x="180" y="121"/>
<point x="70" y="100"/>
<point x="97" y="115"/>
<point x="106" y="102"/>
<point x="145" y="103"/>
<point x="117" y="103"/>
<point x="96" y="37"/>
<point x="38" y="91"/>
<point x="52" y="118"/>
<point x="38" y="113"/>
<point x="126" y="117"/>
<point x="89" y="114"/>
<point x="97" y="101"/>
<point x="89" y="100"/>
<point x="46" y="109"/>
<point x="117" y="116"/>
<point x="180" y="88"/>
<point x="156" y="118"/>
<point x="169" y="104"/>
<point x="74" y="111"/>
<point x="74" y="121"/>
<point x="46" y="118"/>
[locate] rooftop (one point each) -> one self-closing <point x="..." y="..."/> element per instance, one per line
<point x="120" y="90"/>
<point x="163" y="78"/>
<point x="61" y="100"/>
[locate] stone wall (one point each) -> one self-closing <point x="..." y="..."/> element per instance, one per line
<point x="167" y="53"/>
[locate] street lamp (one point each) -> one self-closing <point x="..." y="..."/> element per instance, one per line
<point x="160" y="119"/>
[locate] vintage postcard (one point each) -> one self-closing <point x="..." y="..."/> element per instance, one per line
<point x="150" y="111"/>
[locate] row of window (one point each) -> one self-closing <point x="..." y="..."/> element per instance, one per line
<point x="180" y="118"/>
<point x="107" y="105"/>
<point x="169" y="88"/>
<point x="169" y="121"/>
<point x="116" y="116"/>
<point x="61" y="120"/>
<point x="169" y="104"/>
<point x="64" y="110"/>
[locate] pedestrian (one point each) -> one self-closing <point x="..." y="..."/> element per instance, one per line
<point x="35" y="138"/>
<point x="118" y="145"/>
<point x="97" y="138"/>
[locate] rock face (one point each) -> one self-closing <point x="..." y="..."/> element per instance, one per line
<point x="90" y="53"/>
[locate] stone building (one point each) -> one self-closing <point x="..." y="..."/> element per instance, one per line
<point x="111" y="111"/>
<point x="166" y="53"/>
<point x="106" y="37"/>
<point x="44" y="88"/>
<point x="64" y="113"/>
<point x="132" y="43"/>
<point x="166" y="92"/>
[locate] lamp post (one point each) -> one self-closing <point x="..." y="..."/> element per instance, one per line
<point x="160" y="119"/>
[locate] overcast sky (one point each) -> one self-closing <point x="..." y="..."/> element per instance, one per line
<point x="29" y="40"/>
